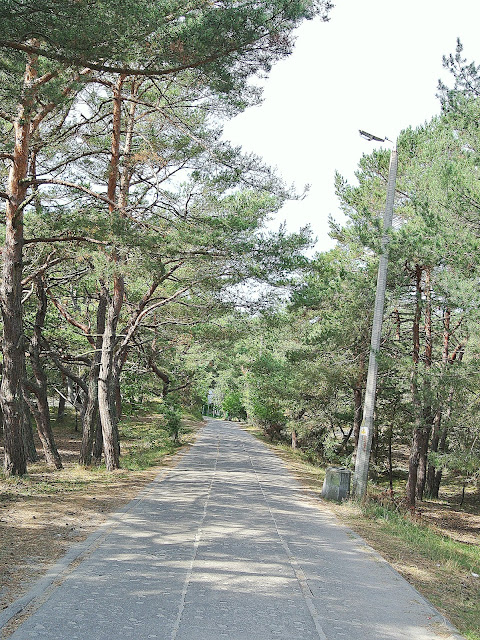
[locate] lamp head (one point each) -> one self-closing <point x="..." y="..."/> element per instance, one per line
<point x="370" y="136"/>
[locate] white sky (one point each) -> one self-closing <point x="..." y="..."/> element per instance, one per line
<point x="375" y="66"/>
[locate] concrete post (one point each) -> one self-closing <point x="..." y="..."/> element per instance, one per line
<point x="366" y="430"/>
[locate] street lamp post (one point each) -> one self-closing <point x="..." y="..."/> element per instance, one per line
<point x="366" y="429"/>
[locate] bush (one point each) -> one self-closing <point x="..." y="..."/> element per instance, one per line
<point x="233" y="405"/>
<point x="173" y="419"/>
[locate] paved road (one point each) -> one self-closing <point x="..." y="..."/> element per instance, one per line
<point x="226" y="545"/>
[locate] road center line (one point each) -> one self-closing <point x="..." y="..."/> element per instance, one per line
<point x="196" y="544"/>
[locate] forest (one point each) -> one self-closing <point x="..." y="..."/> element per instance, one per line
<point x="138" y="263"/>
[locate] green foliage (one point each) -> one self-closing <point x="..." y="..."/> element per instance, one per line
<point x="435" y="546"/>
<point x="304" y="363"/>
<point x="172" y="417"/>
<point x="445" y="552"/>
<point x="233" y="405"/>
<point x="463" y="463"/>
<point x="222" y="44"/>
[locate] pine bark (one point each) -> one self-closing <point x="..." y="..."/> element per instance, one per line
<point x="164" y="377"/>
<point x="414" y="457"/>
<point x="38" y="387"/>
<point x="436" y="434"/>
<point x="105" y="382"/>
<point x="442" y="447"/>
<point x="437" y="421"/>
<point x="11" y="288"/>
<point x="27" y="434"/>
<point x="428" y="417"/>
<point x="98" y="444"/>
<point x="124" y="188"/>
<point x="90" y="410"/>
<point x="294" y="439"/>
<point x="61" y="407"/>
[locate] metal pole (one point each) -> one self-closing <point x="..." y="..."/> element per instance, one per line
<point x="360" y="476"/>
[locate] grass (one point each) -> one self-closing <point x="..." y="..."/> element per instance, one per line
<point x="436" y="547"/>
<point x="146" y="443"/>
<point x="444" y="570"/>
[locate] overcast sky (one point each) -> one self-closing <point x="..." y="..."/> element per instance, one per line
<point x="375" y="66"/>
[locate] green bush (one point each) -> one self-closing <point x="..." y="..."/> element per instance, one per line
<point x="173" y="419"/>
<point x="233" y="405"/>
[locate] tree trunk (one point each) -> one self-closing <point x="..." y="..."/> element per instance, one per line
<point x="114" y="397"/>
<point x="27" y="434"/>
<point x="124" y="188"/>
<point x="294" y="439"/>
<point x="165" y="378"/>
<point x="73" y="393"/>
<point x="98" y="444"/>
<point x="105" y="404"/>
<point x="119" y="360"/>
<point x="413" y="469"/>
<point x="61" y="408"/>
<point x="414" y="458"/>
<point x="396" y="314"/>
<point x="390" y="460"/>
<point x="40" y="409"/>
<point x="90" y="411"/>
<point x="357" y="415"/>
<point x="11" y="287"/>
<point x="428" y="416"/>
<point x="442" y="446"/>
<point x="422" y="438"/>
<point x="437" y="421"/>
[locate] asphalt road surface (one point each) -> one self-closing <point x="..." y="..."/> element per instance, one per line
<point x="227" y="545"/>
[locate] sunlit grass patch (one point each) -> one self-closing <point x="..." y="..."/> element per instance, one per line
<point x="146" y="443"/>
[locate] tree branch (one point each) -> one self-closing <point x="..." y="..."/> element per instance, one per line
<point x="65" y="239"/>
<point x="134" y="325"/>
<point x="127" y="71"/>
<point x="61" y="367"/>
<point x="48" y="108"/>
<point x="70" y="319"/>
<point x="48" y="263"/>
<point x="72" y="185"/>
